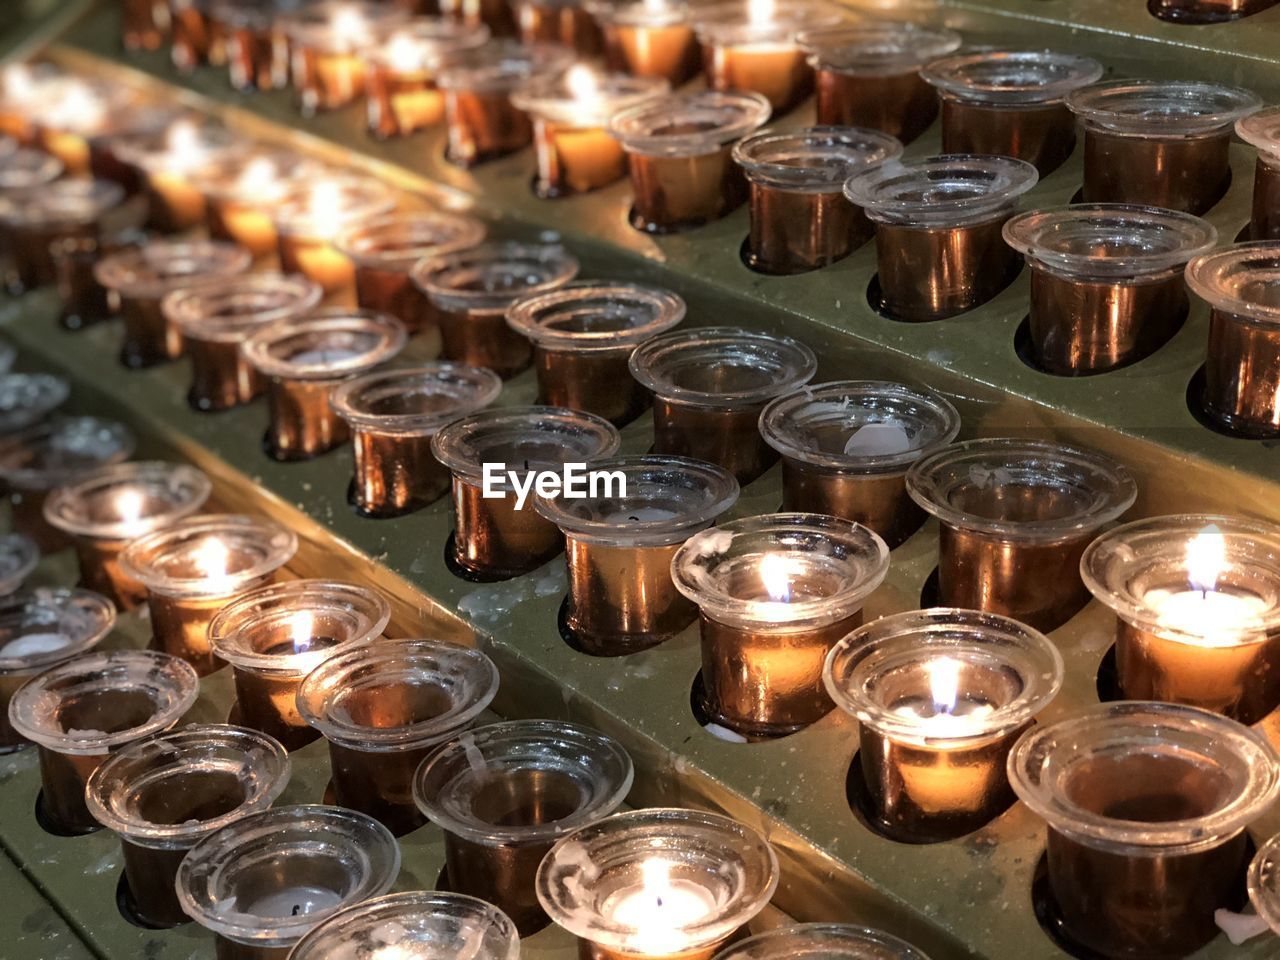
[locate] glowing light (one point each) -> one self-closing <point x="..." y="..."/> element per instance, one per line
<point x="19" y="85"/>
<point x="302" y="631"/>
<point x="213" y="559"/>
<point x="349" y="23"/>
<point x="185" y="145"/>
<point x="660" y="909"/>
<point x="325" y="209"/>
<point x="79" y="108"/>
<point x="404" y="53"/>
<point x="775" y="573"/>
<point x="1206" y="559"/>
<point x="761" y="12"/>
<point x="582" y="83"/>
<point x="129" y="505"/>
<point x="944" y="684"/>
<point x="259" y="176"/>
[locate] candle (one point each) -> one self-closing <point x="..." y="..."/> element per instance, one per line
<point x="650" y="38"/>
<point x="21" y="86"/>
<point x="196" y="37"/>
<point x="241" y="191"/>
<point x="564" y="23"/>
<point x="168" y="160"/>
<point x="36" y="219"/>
<point x="1262" y="131"/>
<point x="70" y="112"/>
<point x="329" y="43"/>
<point x="497" y="15"/>
<point x="257" y="42"/>
<point x="143" y="24"/>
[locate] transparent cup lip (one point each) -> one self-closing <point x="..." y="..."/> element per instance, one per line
<point x="21" y="83"/>
<point x="658" y="363"/>
<point x="949" y="190"/>
<point x="1261" y="129"/>
<point x="638" y="13"/>
<point x="570" y="876"/>
<point x="548" y="318"/>
<point x="86" y="107"/>
<point x="264" y="774"/>
<point x="317" y="26"/>
<point x="368" y="337"/>
<point x="877" y="49"/>
<point x="785" y="423"/>
<point x="171" y="683"/>
<point x="932" y="480"/>
<point x="453" y="923"/>
<point x="1042" y="760"/>
<point x="1117" y="241"/>
<point x="83" y="617"/>
<point x="650" y="128"/>
<point x="159" y="267"/>
<point x="548" y="96"/>
<point x="56" y="451"/>
<point x="470" y="677"/>
<point x="222" y="179"/>
<point x="26" y="168"/>
<point x="1161" y="109"/>
<point x="877" y="650"/>
<point x="1264" y="882"/>
<point x="397" y="241"/>
<point x="465" y="445"/>
<point x="184" y="488"/>
<point x="18" y="558"/>
<point x="358" y="615"/>
<point x="1223" y="278"/>
<point x="153" y="151"/>
<point x="461" y="389"/>
<point x="1011" y="78"/>
<point x="731" y="23"/>
<point x="354" y="839"/>
<point x="357" y="199"/>
<point x="435" y="40"/>
<point x="695" y="492"/>
<point x="27" y="398"/>
<point x="1111" y="563"/>
<point x="706" y="560"/>
<point x="490" y="276"/>
<point x="816" y="159"/>
<point x="822" y="941"/>
<point x="62" y="202"/>
<point x="444" y="784"/>
<point x="501" y="65"/>
<point x="228" y="311"/>
<point x="272" y="547"/>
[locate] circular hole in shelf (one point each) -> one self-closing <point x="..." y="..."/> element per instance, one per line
<point x="876" y="299"/>
<point x="1108" y="678"/>
<point x="1245" y="234"/>
<point x="1196" y="405"/>
<point x="705" y="714"/>
<point x="744" y="254"/>
<point x="128" y="908"/>
<point x="46" y="821"/>
<point x="604" y="648"/>
<point x="1189" y="14"/>
<point x="461" y="572"/>
<point x="1023" y="347"/>
<point x="929" y="592"/>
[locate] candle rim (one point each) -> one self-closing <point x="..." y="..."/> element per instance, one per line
<point x="1261" y="129"/>
<point x="27" y="398"/>
<point x="364" y="197"/>
<point x="878" y="48"/>
<point x="159" y="267"/>
<point x="537" y="267"/>
<point x="822" y="941"/>
<point x="438" y="38"/>
<point x="387" y="337"/>
<point x="94" y="615"/>
<point x="642" y="13"/>
<point x="62" y="202"/>
<point x="151" y="150"/>
<point x="1003" y="77"/>
<point x="81" y="444"/>
<point x="183" y="486"/>
<point x="312" y="24"/>
<point x="27" y="167"/>
<point x="1155" y="108"/>
<point x="18" y="558"/>
<point x="533" y="315"/>
<point x="1219" y="276"/>
<point x="734" y="115"/>
<point x="731" y="22"/>
<point x="422" y="235"/>
<point x="192" y="309"/>
<point x="501" y="64"/>
<point x="469" y="388"/>
<point x="851" y="148"/>
<point x="947" y="190"/>
<point x="545" y="96"/>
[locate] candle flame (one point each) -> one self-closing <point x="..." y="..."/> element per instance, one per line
<point x="184" y="145"/>
<point x="349" y="23"/>
<point x="761" y="12"/>
<point x="129" y="506"/>
<point x="325" y="209"/>
<point x="258" y="176"/>
<point x="655" y="6"/>
<point x="212" y="558"/>
<point x="18" y="83"/>
<point x="582" y="83"/>
<point x="775" y="573"/>
<point x="302" y="631"/>
<point x="404" y="53"/>
<point x="78" y="107"/>
<point x="1206" y="559"/>
<point x="944" y="684"/>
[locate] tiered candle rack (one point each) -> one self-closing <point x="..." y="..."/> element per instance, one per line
<point x="968" y="898"/>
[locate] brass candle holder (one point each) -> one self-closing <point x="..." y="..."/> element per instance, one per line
<point x="940" y="696"/>
<point x="562" y="23"/>
<point x="836" y="941"/>
<point x="79" y="712"/>
<point x="104" y="510"/>
<point x="28" y="398"/>
<point x="143" y="276"/>
<point x="649" y="38"/>
<point x="618" y="549"/>
<point x="505" y="793"/>
<point x="328" y="44"/>
<point x="196" y="38"/>
<point x="709" y="387"/>
<point x="1262" y="130"/>
<point x="1009" y="103"/>
<point x="1014" y="518"/>
<point x="383" y="709"/>
<point x="1242" y="369"/>
<point x="214" y="320"/>
<point x="1146" y="806"/>
<point x="257" y="41"/>
<point x="502" y="536"/>
<point x="262" y="882"/>
<point x="583" y="335"/>
<point x="571" y="111"/>
<point x="868" y="75"/>
<point x="275" y="635"/>
<point x="302" y="360"/>
<point x="385" y="250"/>
<point x="392" y="416"/>
<point x="162" y="795"/>
<point x="1162" y="143"/>
<point x="940" y="250"/>
<point x="846" y="447"/>
<point x="195" y="567"/>
<point x="658" y="883"/>
<point x="470" y="291"/>
<point x="800" y="218"/>
<point x="41" y="629"/>
<point x="166" y="162"/>
<point x="1106" y="281"/>
<point x="678" y="156"/>
<point x="34" y="221"/>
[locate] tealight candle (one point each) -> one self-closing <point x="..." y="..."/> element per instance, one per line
<point x="940" y="697"/>
<point x="329" y="41"/>
<point x="275" y="635"/>
<point x="164" y="794"/>
<point x="1015" y="517"/>
<point x="571" y="111"/>
<point x="383" y="709"/>
<point x="496" y="538"/>
<point x="1163" y="143"/>
<point x="142" y="26"/>
<point x="939" y="246"/>
<point x="392" y="416"/>
<point x="241" y="191"/>
<point x="195" y="37"/>
<point x="1262" y="130"/>
<point x="143" y="276"/>
<point x="263" y="881"/>
<point x="846" y="447"/>
<point x="583" y="335"/>
<point x="81" y="711"/>
<point x="678" y="156"/>
<point x="618" y="549"/>
<point x="310" y="216"/>
<point x="34" y="221"/>
<point x="1146" y="806"/>
<point x="564" y="23"/>
<point x="302" y="361"/>
<point x="868" y="75"/>
<point x="1106" y="281"/>
<point x="28" y="398"/>
<point x="102" y="511"/>
<point x="657" y="883"/>
<point x="832" y="941"/>
<point x="257" y="41"/>
<point x="71" y="111"/>
<point x="505" y="793"/>
<point x="21" y="87"/>
<point x="41" y="629"/>
<point x="195" y="567"/>
<point x="709" y="387"/>
<point x="650" y="38"/>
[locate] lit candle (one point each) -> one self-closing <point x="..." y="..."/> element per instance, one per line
<point x="21" y="86"/>
<point x="329" y="42"/>
<point x="659" y="908"/>
<point x="71" y="111"/>
<point x="168" y="162"/>
<point x="650" y="38"/>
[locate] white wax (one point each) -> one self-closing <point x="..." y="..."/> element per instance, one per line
<point x="33" y="644"/>
<point x="885" y="439"/>
<point x="324" y="356"/>
<point x="1220" y="618"/>
<point x="294" y="901"/>
<point x="658" y="909"/>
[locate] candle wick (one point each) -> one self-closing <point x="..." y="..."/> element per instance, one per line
<point x="297" y="909"/>
<point x="637" y="519"/>
<point x="659" y="898"/>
